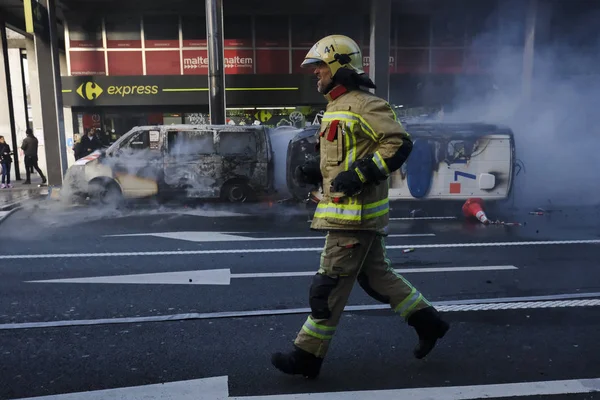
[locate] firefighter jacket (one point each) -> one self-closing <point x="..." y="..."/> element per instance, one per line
<point x="355" y="125"/>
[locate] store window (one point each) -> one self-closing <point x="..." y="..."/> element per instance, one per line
<point x="161" y="31"/>
<point x="193" y="29"/>
<point x="85" y="33"/>
<point x="237" y="31"/>
<point x="307" y="30"/>
<point x="272" y="30"/>
<point x="448" y="30"/>
<point x="413" y="30"/>
<point x="123" y="31"/>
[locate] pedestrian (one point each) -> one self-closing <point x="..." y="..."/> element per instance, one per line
<point x="6" y="161"/>
<point x="89" y="143"/>
<point x="30" y="151"/>
<point x="361" y="143"/>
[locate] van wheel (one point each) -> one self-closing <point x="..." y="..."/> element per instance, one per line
<point x="236" y="192"/>
<point x="105" y="193"/>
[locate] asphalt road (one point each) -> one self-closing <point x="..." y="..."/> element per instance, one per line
<point x="523" y="302"/>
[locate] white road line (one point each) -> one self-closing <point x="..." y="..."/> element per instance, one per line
<point x="223" y="276"/>
<point x="399" y="270"/>
<point x="452" y="392"/>
<point x="204" y="236"/>
<point x="511" y="303"/>
<point x="217" y="388"/>
<point x="288" y="250"/>
<point x="214" y="388"/>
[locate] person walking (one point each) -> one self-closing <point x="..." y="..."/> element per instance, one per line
<point x="361" y="143"/>
<point x="6" y="161"/>
<point x="30" y="151"/>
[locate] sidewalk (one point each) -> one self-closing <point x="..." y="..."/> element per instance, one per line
<point x="19" y="193"/>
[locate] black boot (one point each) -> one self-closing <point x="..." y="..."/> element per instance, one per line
<point x="297" y="362"/>
<point x="430" y="327"/>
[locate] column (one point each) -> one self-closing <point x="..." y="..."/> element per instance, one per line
<point x="379" y="52"/>
<point x="216" y="67"/>
<point x="50" y="89"/>
<point x="529" y="49"/>
<point x="9" y="97"/>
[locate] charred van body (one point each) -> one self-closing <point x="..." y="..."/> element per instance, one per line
<point x="232" y="163"/>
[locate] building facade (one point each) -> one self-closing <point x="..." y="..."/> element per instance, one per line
<point x="136" y="68"/>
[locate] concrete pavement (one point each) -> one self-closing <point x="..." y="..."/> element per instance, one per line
<point x="523" y="302"/>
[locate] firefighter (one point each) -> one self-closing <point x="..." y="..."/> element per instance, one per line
<point x="361" y="143"/>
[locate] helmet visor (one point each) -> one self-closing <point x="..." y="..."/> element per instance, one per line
<point x="310" y="62"/>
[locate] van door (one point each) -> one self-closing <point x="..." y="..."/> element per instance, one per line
<point x="239" y="151"/>
<point x="191" y="163"/>
<point x="137" y="164"/>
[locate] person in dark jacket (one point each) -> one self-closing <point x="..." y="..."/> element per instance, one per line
<point x="30" y="150"/>
<point x="89" y="143"/>
<point x="6" y="161"/>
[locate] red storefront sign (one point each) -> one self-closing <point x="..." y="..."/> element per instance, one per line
<point x="154" y="44"/>
<point x="195" y="43"/>
<point x="87" y="63"/>
<point x="392" y="60"/>
<point x="272" y="61"/>
<point x="125" y="63"/>
<point x="479" y="62"/>
<point x="412" y="61"/>
<point x="195" y="62"/>
<point x="449" y="61"/>
<point x="297" y="58"/>
<point x="162" y="62"/>
<point x="124" y="44"/>
<point x="237" y="42"/>
<point x="86" y="43"/>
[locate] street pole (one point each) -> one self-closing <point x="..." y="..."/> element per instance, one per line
<point x="216" y="70"/>
<point x="11" y="110"/>
<point x="529" y="50"/>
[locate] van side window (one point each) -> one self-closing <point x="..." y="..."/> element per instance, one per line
<point x="142" y="141"/>
<point x="188" y="143"/>
<point x="237" y="143"/>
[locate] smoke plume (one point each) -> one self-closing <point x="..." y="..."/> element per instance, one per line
<point x="556" y="137"/>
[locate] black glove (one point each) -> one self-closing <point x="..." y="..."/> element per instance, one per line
<point x="361" y="173"/>
<point x="308" y="173"/>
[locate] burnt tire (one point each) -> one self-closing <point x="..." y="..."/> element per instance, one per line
<point x="105" y="193"/>
<point x="237" y="192"/>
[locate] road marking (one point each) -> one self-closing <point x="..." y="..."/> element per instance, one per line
<point x="287" y="250"/>
<point x="229" y="237"/>
<point x="214" y="388"/>
<point x="217" y="388"/>
<point x="224" y="276"/>
<point x="509" y="303"/>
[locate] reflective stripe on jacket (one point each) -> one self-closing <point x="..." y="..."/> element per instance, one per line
<point x="356" y="124"/>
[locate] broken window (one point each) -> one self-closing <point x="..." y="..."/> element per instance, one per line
<point x="190" y="143"/>
<point x="237" y="143"/>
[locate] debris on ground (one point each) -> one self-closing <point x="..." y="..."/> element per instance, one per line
<point x="408" y="250"/>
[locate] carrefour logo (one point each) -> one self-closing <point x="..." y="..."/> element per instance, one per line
<point x="91" y="90"/>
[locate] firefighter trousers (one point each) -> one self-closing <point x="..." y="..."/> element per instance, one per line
<point x="348" y="257"/>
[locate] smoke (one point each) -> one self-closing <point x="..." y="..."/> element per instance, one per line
<point x="556" y="136"/>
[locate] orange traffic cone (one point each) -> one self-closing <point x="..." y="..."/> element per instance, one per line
<point x="474" y="208"/>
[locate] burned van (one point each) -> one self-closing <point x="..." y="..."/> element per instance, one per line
<point x="233" y="163"/>
<point x="449" y="161"/>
